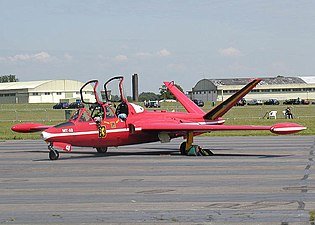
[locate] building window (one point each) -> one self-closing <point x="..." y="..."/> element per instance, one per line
<point x="35" y="93"/>
<point x="47" y="93"/>
<point x="9" y="94"/>
<point x="59" y="93"/>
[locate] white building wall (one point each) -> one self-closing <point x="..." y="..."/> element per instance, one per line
<point x="302" y="91"/>
<point x="34" y="91"/>
<point x="34" y="99"/>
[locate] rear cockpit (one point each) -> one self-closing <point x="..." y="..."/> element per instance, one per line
<point x="111" y="105"/>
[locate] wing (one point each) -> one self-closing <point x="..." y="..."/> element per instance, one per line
<point x="281" y="128"/>
<point x="29" y="127"/>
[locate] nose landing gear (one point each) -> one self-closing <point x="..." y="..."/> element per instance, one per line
<point x="53" y="153"/>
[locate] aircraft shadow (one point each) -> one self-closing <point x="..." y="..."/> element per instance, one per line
<point x="86" y="154"/>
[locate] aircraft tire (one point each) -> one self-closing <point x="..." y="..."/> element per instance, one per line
<point x="182" y="148"/>
<point x="53" y="154"/>
<point x="101" y="150"/>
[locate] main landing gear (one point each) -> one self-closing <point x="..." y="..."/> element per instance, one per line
<point x="101" y="149"/>
<point x="53" y="153"/>
<point x="187" y="148"/>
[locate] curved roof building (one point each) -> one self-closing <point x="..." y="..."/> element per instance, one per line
<point x="279" y="87"/>
<point x="44" y="91"/>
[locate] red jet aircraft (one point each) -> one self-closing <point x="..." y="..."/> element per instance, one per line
<point x="104" y="126"/>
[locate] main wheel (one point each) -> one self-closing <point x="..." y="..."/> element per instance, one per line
<point x="101" y="150"/>
<point x="53" y="154"/>
<point x="182" y="148"/>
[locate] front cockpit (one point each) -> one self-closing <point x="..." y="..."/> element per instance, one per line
<point x="95" y="113"/>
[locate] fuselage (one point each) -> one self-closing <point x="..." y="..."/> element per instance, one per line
<point x="83" y="130"/>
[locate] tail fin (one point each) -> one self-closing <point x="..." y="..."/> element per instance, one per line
<point x="189" y="105"/>
<point x="226" y="105"/>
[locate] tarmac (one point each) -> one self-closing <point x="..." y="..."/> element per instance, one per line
<point x="248" y="180"/>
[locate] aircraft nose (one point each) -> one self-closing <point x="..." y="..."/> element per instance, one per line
<point x="45" y="135"/>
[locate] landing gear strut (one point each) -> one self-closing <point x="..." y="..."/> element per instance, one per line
<point x="53" y="153"/>
<point x="187" y="148"/>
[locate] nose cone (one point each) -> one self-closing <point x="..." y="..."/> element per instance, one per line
<point x="45" y="135"/>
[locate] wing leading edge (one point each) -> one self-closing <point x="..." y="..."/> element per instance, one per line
<point x="280" y="128"/>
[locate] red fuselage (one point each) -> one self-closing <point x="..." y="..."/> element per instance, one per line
<point x="117" y="132"/>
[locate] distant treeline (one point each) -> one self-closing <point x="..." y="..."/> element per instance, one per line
<point x="8" y="78"/>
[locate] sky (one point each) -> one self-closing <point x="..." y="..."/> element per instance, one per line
<point x="160" y="40"/>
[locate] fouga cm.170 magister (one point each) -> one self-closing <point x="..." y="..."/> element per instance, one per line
<point x="112" y="124"/>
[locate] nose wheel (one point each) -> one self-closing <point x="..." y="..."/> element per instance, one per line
<point x="53" y="153"/>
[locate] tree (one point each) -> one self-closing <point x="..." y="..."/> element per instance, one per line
<point x="166" y="94"/>
<point x="146" y="96"/>
<point x="8" y="78"/>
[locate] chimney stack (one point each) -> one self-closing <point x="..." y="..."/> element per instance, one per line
<point x="135" y="87"/>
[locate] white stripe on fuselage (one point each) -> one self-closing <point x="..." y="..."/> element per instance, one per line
<point x="47" y="135"/>
<point x="206" y="123"/>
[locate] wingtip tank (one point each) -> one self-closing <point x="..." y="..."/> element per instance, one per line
<point x="28" y="127"/>
<point x="286" y="128"/>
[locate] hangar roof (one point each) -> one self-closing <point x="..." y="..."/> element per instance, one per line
<point x="22" y="85"/>
<point x="265" y="81"/>
<point x="43" y="85"/>
<point x="309" y="80"/>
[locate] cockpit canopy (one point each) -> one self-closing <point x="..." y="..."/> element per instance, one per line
<point x="102" y="111"/>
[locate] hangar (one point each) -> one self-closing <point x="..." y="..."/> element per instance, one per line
<point x="279" y="87"/>
<point x="44" y="91"/>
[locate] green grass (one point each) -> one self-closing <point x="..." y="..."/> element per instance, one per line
<point x="11" y="114"/>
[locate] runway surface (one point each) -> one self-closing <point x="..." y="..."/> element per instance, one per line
<point x="253" y="180"/>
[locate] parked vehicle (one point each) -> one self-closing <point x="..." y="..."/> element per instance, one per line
<point x="296" y="101"/>
<point x="305" y="102"/>
<point x="76" y="105"/>
<point x="255" y="102"/>
<point x="61" y="105"/>
<point x="241" y="102"/>
<point x="198" y="102"/>
<point x="152" y="104"/>
<point x="272" y="101"/>
<point x="291" y="101"/>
